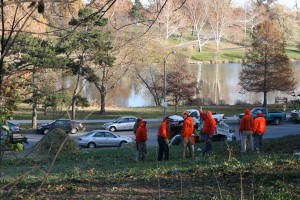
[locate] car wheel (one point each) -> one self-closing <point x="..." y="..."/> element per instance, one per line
<point x="91" y="145"/>
<point x="276" y="121"/>
<point x="46" y="131"/>
<point x="74" y="130"/>
<point x="123" y="142"/>
<point x="112" y="129"/>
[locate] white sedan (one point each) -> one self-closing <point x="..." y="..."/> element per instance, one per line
<point x="102" y="138"/>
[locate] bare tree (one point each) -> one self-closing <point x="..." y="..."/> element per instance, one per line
<point x="198" y="13"/>
<point x="220" y="18"/>
<point x="149" y="67"/>
<point x="171" y="19"/>
<point x="181" y="86"/>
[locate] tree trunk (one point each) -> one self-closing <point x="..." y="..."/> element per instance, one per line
<point x="34" y="99"/>
<point x="1" y="75"/>
<point x="45" y="111"/>
<point x="103" y="102"/>
<point x="34" y="116"/>
<point x="265" y="99"/>
<point x="265" y="80"/>
<point x="102" y="91"/>
<point x="218" y="44"/>
<point x="199" y="43"/>
<point x="76" y="88"/>
<point x="176" y="108"/>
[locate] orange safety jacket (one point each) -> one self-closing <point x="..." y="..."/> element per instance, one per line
<point x="247" y="121"/>
<point x="209" y="126"/>
<point x="187" y="127"/>
<point x="141" y="133"/>
<point x="163" y="130"/>
<point x="259" y="125"/>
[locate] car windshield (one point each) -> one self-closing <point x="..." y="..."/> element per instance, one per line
<point x="89" y="133"/>
<point x="254" y="110"/>
<point x="117" y="120"/>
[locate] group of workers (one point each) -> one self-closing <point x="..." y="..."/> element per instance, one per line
<point x="251" y="131"/>
<point x="187" y="130"/>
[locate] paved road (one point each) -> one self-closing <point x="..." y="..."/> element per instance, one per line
<point x="273" y="131"/>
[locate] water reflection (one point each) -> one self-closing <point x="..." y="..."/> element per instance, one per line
<point x="218" y="83"/>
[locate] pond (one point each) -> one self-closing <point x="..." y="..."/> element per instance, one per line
<point x="219" y="85"/>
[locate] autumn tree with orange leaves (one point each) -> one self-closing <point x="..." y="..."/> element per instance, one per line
<point x="266" y="67"/>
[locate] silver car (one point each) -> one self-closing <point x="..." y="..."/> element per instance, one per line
<point x="122" y="123"/>
<point x="102" y="138"/>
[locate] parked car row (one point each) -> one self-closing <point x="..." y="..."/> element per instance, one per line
<point x="106" y="138"/>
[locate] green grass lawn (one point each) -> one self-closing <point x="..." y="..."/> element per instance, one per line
<point x="24" y="111"/>
<point x="113" y="173"/>
<point x="228" y="51"/>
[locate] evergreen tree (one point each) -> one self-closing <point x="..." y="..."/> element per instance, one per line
<point x="266" y="67"/>
<point x="91" y="44"/>
<point x="34" y="55"/>
<point x="136" y="10"/>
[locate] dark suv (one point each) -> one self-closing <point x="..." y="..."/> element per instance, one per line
<point x="70" y="126"/>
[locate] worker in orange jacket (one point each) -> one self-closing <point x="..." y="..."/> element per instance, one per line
<point x="141" y="138"/>
<point x="208" y="129"/>
<point x="259" y="129"/>
<point x="135" y="127"/>
<point x="163" y="141"/>
<point x="246" y="131"/>
<point x="186" y="133"/>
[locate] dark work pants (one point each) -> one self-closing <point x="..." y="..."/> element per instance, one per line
<point x="163" y="149"/>
<point x="258" y="142"/>
<point x="207" y="145"/>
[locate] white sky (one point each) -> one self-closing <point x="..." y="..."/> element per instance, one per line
<point x="288" y="3"/>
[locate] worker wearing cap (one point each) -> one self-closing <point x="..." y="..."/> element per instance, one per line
<point x="141" y="139"/>
<point x="208" y="129"/>
<point x="259" y="128"/>
<point x="163" y="141"/>
<point x="186" y="133"/>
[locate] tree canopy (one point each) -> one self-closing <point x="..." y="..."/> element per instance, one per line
<point x="266" y="67"/>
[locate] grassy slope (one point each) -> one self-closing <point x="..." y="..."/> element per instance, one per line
<point x="114" y="174"/>
<point x="228" y="52"/>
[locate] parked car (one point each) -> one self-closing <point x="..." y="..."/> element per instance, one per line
<point x="102" y="138"/>
<point x="7" y="138"/>
<point x="271" y="116"/>
<point x="70" y="126"/>
<point x="295" y="115"/>
<point x="120" y="124"/>
<point x="13" y="127"/>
